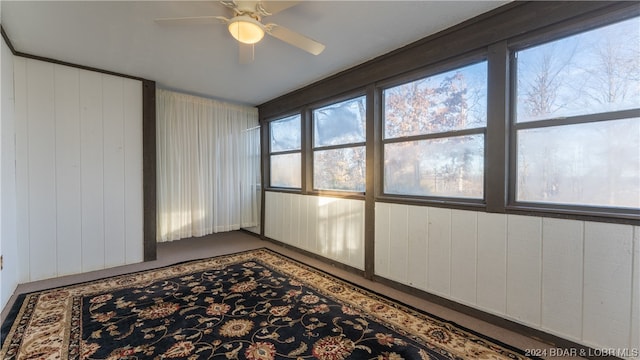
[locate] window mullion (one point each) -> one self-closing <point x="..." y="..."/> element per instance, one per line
<point x="496" y="139"/>
<point x="307" y="152"/>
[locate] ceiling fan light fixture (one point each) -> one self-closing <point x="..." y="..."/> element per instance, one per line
<point x="246" y="29"/>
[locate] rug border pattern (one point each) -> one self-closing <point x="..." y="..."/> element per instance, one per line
<point x="402" y="313"/>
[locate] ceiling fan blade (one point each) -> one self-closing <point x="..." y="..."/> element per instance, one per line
<point x="269" y="7"/>
<point x="245" y="53"/>
<point x="295" y="39"/>
<point x="192" y="20"/>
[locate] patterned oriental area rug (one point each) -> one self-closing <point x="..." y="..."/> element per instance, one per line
<point x="255" y="305"/>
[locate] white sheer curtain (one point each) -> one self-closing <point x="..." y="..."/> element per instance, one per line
<point x="207" y="168"/>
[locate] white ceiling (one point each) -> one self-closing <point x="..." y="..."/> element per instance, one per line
<point x="202" y="59"/>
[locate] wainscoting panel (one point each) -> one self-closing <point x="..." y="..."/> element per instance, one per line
<point x="331" y="227"/>
<point x="576" y="279"/>
<point x="524" y="248"/>
<point x="491" y="281"/>
<point x="562" y="268"/>
<point x="68" y="174"/>
<point x="464" y="238"/>
<point x="79" y="169"/>
<point x="607" y="288"/>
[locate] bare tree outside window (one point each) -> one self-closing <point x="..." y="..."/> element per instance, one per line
<point x="285" y="147"/>
<point x="339" y="135"/>
<point x="593" y="162"/>
<point x="437" y="161"/>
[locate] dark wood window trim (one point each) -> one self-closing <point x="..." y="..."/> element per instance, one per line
<point x="555" y="210"/>
<point x="266" y="149"/>
<point x="492" y="35"/>
<point x="309" y="148"/>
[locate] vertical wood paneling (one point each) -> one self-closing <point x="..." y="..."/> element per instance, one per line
<point x="67" y="152"/>
<point x="324" y="227"/>
<point x="269" y="214"/>
<point x="525" y="268"/>
<point x="42" y="171"/>
<point x="439" y="267"/>
<point x="114" y="175"/>
<point x="634" y="342"/>
<point x="79" y="169"/>
<point x="562" y="250"/>
<point x="418" y="242"/>
<point x="607" y="284"/>
<point x="9" y="276"/>
<point x="312" y="222"/>
<point x="381" y="265"/>
<point x="293" y="220"/>
<point x="277" y="217"/>
<point x="343" y="219"/>
<point x="464" y="232"/>
<point x="398" y="242"/>
<point x="303" y="240"/>
<point x="133" y="180"/>
<point x="92" y="150"/>
<point x="492" y="262"/>
<point x="355" y="234"/>
<point x="22" y="168"/>
<point x="524" y="254"/>
<point x="331" y="227"/>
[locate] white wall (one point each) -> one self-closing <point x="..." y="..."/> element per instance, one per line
<point x="331" y="227"/>
<point x="79" y="170"/>
<point x="8" y="238"/>
<point x="576" y="279"/>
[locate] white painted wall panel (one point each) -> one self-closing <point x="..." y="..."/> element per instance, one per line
<point x="575" y="279"/>
<point x="310" y="239"/>
<point x="41" y="168"/>
<point x="464" y="237"/>
<point x="92" y="171"/>
<point x="381" y="256"/>
<point x="635" y="297"/>
<point x="398" y="242"/>
<point x="491" y="291"/>
<point x="324" y="226"/>
<point x="79" y="165"/>
<point x="562" y="277"/>
<point x="524" y="255"/>
<point x="355" y="233"/>
<point x="22" y="168"/>
<point x="68" y="180"/>
<point x="439" y="248"/>
<point x="418" y="243"/>
<point x="133" y="168"/>
<point x="9" y="276"/>
<point x="607" y="284"/>
<point x="114" y="176"/>
<point x="334" y="227"/>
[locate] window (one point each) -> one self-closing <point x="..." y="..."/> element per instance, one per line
<point x="434" y="135"/>
<point x="339" y="135"/>
<point x="285" y="152"/>
<point x="577" y="119"/>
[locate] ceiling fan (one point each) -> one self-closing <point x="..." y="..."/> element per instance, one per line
<point x="247" y="28"/>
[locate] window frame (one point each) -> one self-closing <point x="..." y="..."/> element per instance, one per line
<point x="446" y="49"/>
<point x="311" y="187"/>
<point x="572" y="211"/>
<point x="270" y="153"/>
<point x="438" y="68"/>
